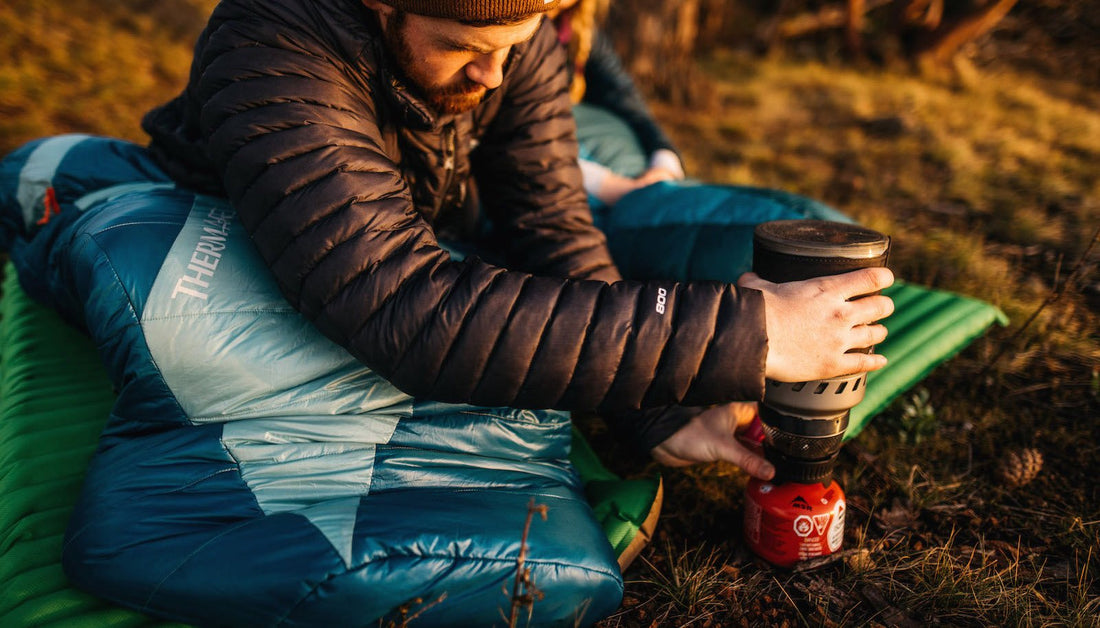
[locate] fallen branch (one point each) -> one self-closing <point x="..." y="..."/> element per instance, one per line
<point x="941" y="46"/>
<point x="926" y="14"/>
<point x="830" y="17"/>
<point x="813" y="564"/>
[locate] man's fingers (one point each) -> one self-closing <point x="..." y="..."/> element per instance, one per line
<point x="732" y="450"/>
<point x="753" y="464"/>
<point x="875" y="279"/>
<point x="749" y="280"/>
<point x="846" y="286"/>
<point x="870" y="309"/>
<point x="860" y="362"/>
<point x="654" y="175"/>
<point x="744" y="412"/>
<point x="868" y="335"/>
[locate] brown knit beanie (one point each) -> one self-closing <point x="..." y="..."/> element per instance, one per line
<point x="474" y="10"/>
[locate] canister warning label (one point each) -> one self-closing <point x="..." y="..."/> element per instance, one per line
<point x="836" y="531"/>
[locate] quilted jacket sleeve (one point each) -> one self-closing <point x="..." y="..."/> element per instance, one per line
<point x="291" y="126"/>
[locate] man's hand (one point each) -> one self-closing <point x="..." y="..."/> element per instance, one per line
<point x="813" y="324"/>
<point x="710" y="437"/>
<point x="615" y="186"/>
<point x="653" y="175"/>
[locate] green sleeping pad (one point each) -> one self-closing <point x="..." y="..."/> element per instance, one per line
<point x="54" y="401"/>
<point x="928" y="327"/>
<point x="55" y="398"/>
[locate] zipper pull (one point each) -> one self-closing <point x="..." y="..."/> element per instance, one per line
<point x="449" y="147"/>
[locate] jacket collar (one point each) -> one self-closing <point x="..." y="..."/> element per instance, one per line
<point x="411" y="111"/>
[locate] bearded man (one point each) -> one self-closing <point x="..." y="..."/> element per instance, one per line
<point x="363" y="143"/>
<point x="353" y="136"/>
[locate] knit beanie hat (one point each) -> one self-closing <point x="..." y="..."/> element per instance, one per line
<point x="473" y="10"/>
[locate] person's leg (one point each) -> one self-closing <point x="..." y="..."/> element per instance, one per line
<point x="607" y="140"/>
<point x="692" y="231"/>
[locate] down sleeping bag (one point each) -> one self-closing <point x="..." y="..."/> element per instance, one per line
<point x="254" y="473"/>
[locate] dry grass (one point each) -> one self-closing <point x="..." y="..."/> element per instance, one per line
<point x="989" y="187"/>
<point x="95" y="67"/>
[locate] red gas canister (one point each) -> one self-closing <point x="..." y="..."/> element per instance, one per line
<point x="789" y="522"/>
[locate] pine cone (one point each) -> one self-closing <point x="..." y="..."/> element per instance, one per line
<point x="1020" y="466"/>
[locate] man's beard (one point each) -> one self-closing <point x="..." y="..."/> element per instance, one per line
<point x="455" y="99"/>
<point x="451" y="99"/>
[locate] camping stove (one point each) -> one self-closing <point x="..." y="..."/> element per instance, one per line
<point x="800" y="513"/>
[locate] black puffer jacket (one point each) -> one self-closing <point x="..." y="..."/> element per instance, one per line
<point x="342" y="176"/>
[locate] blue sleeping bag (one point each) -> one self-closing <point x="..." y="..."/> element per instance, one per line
<point x="254" y="473"/>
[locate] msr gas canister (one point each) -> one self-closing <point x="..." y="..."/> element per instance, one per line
<point x="792" y="521"/>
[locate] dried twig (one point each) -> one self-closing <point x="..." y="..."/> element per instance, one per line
<point x="524" y="591"/>
<point x="828" y="17"/>
<point x="1055" y="294"/>
<point x="813" y="564"/>
<point x="404" y="618"/>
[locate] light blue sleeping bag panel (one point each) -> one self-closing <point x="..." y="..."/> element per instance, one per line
<point x="253" y="472"/>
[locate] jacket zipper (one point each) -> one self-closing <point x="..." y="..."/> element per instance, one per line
<point x="449" y="149"/>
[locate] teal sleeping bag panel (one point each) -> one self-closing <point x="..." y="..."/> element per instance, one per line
<point x="254" y="473"/>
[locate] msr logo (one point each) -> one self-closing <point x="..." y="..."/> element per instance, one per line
<point x="662" y="299"/>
